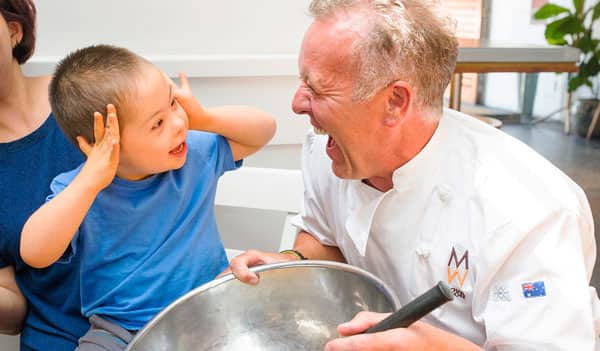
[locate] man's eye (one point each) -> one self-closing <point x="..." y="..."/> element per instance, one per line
<point x="157" y="124"/>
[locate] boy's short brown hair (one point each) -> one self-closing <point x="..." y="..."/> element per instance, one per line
<point x="86" y="81"/>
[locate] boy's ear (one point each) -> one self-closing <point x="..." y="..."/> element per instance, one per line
<point x="400" y="97"/>
<point x="84" y="146"/>
<point x="16" y="33"/>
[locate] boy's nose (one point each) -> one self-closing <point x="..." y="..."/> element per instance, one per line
<point x="180" y="123"/>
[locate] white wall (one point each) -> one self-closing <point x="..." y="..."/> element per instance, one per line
<point x="245" y="51"/>
<point x="235" y="52"/>
<point x="253" y="43"/>
<point x="173" y="27"/>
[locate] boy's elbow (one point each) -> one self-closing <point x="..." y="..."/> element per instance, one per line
<point x="33" y="255"/>
<point x="34" y="260"/>
<point x="270" y="129"/>
<point x="36" y="263"/>
<point x="266" y="132"/>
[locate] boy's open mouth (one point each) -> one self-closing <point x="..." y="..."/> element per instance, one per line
<point x="178" y="150"/>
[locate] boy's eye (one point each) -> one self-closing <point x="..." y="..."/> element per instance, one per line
<point x="157" y="124"/>
<point x="173" y="103"/>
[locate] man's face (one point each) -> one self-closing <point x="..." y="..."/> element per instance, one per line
<point x="325" y="96"/>
<point x="154" y="128"/>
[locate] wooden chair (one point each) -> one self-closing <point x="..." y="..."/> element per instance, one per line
<point x="594" y="123"/>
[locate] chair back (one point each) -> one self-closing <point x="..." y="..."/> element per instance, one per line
<point x="264" y="189"/>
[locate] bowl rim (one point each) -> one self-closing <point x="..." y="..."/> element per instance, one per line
<point x="383" y="287"/>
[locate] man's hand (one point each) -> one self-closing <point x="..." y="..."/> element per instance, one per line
<point x="240" y="265"/>
<point x="103" y="155"/>
<point x="419" y="336"/>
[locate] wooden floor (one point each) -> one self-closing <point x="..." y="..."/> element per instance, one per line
<point x="574" y="156"/>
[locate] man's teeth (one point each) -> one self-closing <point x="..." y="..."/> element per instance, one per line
<point x="179" y="148"/>
<point x="320" y="131"/>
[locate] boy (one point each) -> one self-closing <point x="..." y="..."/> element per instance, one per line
<point x="141" y="207"/>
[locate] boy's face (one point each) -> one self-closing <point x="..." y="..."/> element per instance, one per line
<point x="153" y="130"/>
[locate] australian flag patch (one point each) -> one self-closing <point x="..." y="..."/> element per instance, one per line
<point x="535" y="289"/>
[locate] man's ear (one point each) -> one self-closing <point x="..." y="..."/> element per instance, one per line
<point x="400" y="95"/>
<point x="16" y="33"/>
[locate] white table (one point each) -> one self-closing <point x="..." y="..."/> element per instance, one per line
<point x="479" y="56"/>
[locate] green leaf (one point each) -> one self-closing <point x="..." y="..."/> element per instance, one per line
<point x="554" y="33"/>
<point x="574" y="28"/>
<point x="549" y="10"/>
<point x="596" y="14"/>
<point x="587" y="71"/>
<point x="593" y="66"/>
<point x="575" y="82"/>
<point x="586" y="43"/>
<point x="571" y="25"/>
<point x="589" y="68"/>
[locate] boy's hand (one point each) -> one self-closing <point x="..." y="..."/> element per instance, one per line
<point x="190" y="105"/>
<point x="102" y="156"/>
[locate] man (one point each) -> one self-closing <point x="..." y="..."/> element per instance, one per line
<point x="417" y="194"/>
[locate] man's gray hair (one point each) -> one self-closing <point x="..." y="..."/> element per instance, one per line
<point x="406" y="40"/>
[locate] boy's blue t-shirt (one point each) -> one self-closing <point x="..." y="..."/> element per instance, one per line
<point x="27" y="166"/>
<point x="145" y="243"/>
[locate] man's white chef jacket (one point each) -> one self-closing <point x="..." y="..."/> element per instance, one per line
<point x="510" y="233"/>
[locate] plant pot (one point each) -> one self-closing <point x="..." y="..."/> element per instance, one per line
<point x="583" y="112"/>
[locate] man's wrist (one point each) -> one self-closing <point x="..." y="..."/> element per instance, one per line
<point x="294" y="253"/>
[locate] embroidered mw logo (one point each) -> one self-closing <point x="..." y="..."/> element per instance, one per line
<point x="455" y="270"/>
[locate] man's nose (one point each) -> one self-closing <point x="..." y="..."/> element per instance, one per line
<point x="301" y="101"/>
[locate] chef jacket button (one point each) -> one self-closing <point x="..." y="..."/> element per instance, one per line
<point x="423" y="252"/>
<point x="444" y="193"/>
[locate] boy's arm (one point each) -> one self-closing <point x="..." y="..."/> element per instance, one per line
<point x="247" y="129"/>
<point x="49" y="230"/>
<point x="13" y="306"/>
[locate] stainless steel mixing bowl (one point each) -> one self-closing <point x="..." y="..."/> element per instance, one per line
<point x="296" y="306"/>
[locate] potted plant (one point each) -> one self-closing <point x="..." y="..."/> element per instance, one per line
<point x="574" y="28"/>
